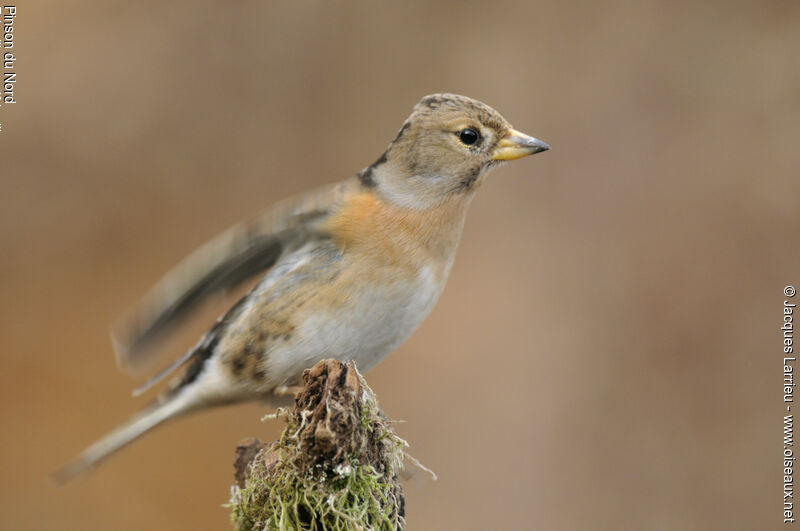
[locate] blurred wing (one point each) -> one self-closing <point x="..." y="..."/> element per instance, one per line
<point x="222" y="264"/>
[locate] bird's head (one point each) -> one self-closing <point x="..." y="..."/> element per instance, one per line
<point x="445" y="148"/>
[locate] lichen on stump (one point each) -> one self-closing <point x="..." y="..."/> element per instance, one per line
<point x="334" y="467"/>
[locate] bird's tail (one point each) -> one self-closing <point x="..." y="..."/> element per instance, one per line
<point x="137" y="426"/>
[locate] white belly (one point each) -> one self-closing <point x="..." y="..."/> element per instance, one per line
<point x="366" y="328"/>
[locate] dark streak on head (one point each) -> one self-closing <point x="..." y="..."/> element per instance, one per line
<point x="365" y="175"/>
<point x="380" y="160"/>
<point x="485" y="114"/>
<point x="431" y="102"/>
<point x="402" y="130"/>
<point x="467" y="183"/>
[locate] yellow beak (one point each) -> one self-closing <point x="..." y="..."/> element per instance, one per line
<point x="516" y="145"/>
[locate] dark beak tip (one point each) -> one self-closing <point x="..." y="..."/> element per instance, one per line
<point x="541" y="146"/>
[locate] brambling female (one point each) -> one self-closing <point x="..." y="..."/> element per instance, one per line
<point x="349" y="271"/>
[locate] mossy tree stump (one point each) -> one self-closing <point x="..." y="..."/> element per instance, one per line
<point x="334" y="467"/>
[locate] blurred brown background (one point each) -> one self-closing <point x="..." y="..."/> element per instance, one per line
<point x="606" y="354"/>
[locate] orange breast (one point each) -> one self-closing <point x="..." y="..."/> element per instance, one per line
<point x="366" y="223"/>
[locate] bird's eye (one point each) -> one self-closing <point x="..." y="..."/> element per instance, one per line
<point x="468" y="136"/>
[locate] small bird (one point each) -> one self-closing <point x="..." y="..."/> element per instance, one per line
<point x="349" y="271"/>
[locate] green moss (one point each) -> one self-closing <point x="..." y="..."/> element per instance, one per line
<point x="334" y="468"/>
<point x="357" y="500"/>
